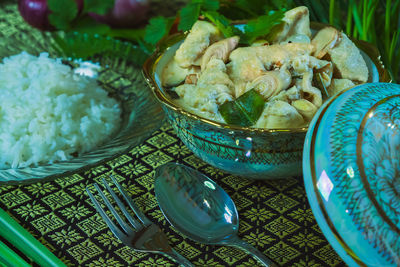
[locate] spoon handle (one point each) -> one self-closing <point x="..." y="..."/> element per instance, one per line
<point x="241" y="244"/>
<point x="178" y="258"/>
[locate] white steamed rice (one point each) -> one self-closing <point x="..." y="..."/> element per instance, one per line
<point x="47" y="112"/>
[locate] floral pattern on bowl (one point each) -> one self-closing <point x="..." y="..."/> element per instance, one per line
<point x="352" y="173"/>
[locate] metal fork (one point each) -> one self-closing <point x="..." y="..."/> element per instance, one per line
<point x="141" y="235"/>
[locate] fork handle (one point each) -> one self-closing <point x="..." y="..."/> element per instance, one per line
<point x="172" y="254"/>
<point x="241" y="244"/>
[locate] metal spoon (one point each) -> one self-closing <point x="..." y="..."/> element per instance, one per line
<point x="200" y="209"/>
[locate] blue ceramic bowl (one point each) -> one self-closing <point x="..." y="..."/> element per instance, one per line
<point x="351" y="167"/>
<point x="249" y="152"/>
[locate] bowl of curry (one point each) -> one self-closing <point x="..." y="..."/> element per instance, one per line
<point x="246" y="109"/>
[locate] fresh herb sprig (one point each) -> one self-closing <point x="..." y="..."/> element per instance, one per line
<point x="243" y="111"/>
<point x="221" y="13"/>
<point x="374" y="21"/>
<point x="260" y="23"/>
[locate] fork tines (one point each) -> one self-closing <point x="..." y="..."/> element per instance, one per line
<point x="127" y="229"/>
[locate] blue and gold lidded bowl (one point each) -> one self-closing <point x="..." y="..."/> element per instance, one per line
<point x="351" y="168"/>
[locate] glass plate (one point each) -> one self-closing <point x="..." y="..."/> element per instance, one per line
<point x="118" y="74"/>
<point x="351" y="168"/>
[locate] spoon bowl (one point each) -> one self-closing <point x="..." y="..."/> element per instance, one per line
<point x="199" y="208"/>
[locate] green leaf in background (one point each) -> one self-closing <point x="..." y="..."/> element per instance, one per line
<point x="100" y="7"/>
<point x="249" y="9"/>
<point x="75" y="45"/>
<point x="253" y="7"/>
<point x="262" y="25"/>
<point x="279" y="4"/>
<point x="243" y="111"/>
<point x="89" y="25"/>
<point x="157" y="28"/>
<point x="188" y="16"/>
<point x="129" y="34"/>
<point x="190" y="13"/>
<point x="222" y="23"/>
<point x="62" y="13"/>
<point x="317" y="8"/>
<point x="374" y="21"/>
<point x="210" y="5"/>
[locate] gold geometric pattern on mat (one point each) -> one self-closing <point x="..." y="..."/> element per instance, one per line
<point x="309" y="240"/>
<point x="213" y="172"/>
<point x="66" y="182"/>
<point x="302" y="215"/>
<point x="133" y="169"/>
<point x="259" y="192"/>
<point x="105" y="262"/>
<point x="31" y="210"/>
<point x="66" y="237"/>
<point x="241" y="202"/>
<point x="48" y="223"/>
<point x="155" y="261"/>
<point x="129" y="255"/>
<point x="141" y="150"/>
<point x="146" y="180"/>
<point x="298" y="192"/>
<point x="96" y="171"/>
<point x="236" y="182"/>
<point x="186" y="249"/>
<point x="281" y="227"/>
<point x="259" y="239"/>
<point x="75" y="212"/>
<point x="58" y="200"/>
<point x="281" y="203"/>
<point x="178" y="151"/>
<point x="146" y="202"/>
<point x="77" y="191"/>
<point x="274" y="215"/>
<point x="328" y="254"/>
<point x="283" y="184"/>
<point x="5" y="188"/>
<point x="244" y="226"/>
<point x="230" y="255"/>
<point x="157" y="159"/>
<point x="14" y="198"/>
<point x="194" y="161"/>
<point x="162" y="140"/>
<point x="119" y="161"/>
<point x="316" y="228"/>
<point x="207" y="260"/>
<point x="258" y="215"/>
<point x="92" y="225"/>
<point x="84" y="251"/>
<point x="39" y="189"/>
<point x="108" y="240"/>
<point x="282" y="252"/>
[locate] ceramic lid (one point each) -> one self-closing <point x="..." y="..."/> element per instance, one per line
<point x="351" y="168"/>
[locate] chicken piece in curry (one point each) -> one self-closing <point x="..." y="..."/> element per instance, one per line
<point x="292" y="72"/>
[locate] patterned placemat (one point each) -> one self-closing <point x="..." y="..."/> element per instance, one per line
<point x="274" y="215"/>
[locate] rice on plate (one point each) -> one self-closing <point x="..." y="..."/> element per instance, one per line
<point x="49" y="113"/>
